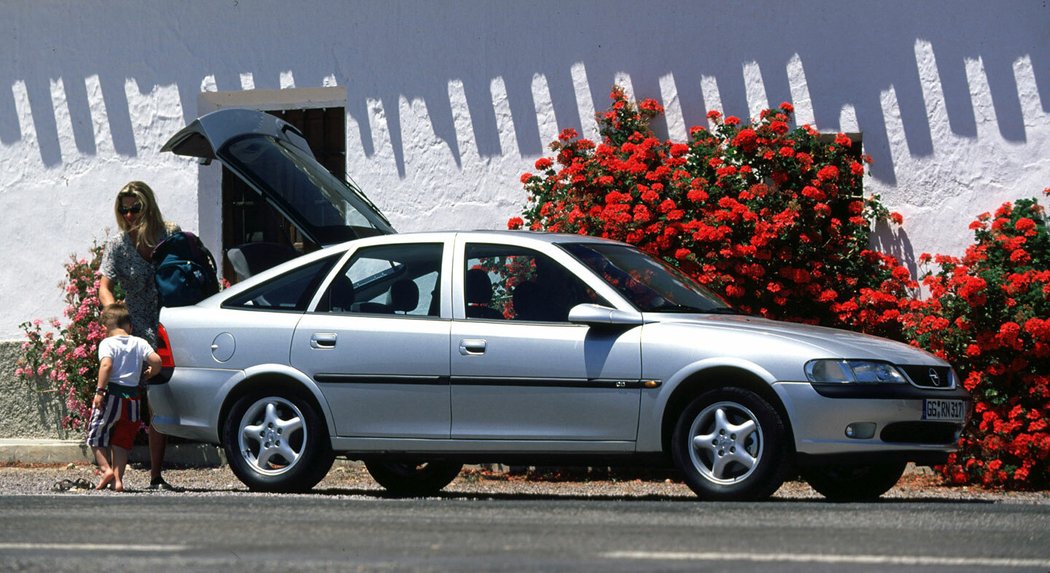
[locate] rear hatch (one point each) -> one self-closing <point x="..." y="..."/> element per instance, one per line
<point x="273" y="158"/>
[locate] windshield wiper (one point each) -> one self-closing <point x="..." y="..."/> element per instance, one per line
<point x="672" y="307"/>
<point x="721" y="310"/>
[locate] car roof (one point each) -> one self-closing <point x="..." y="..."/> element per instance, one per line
<point x="481" y="234"/>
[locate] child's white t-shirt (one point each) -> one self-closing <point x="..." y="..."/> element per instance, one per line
<point x="128" y="353"/>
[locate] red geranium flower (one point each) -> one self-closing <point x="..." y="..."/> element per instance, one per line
<point x="778" y="127"/>
<point x="828" y="173"/>
<point x="746" y="139"/>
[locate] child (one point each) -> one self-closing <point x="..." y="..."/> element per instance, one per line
<point x="115" y="411"/>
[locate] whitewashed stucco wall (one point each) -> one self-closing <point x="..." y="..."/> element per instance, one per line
<point x="448" y="102"/>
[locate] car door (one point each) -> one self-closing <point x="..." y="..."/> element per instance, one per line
<point x="528" y="373"/>
<point x="377" y="345"/>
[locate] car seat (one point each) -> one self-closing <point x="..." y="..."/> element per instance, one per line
<point x="528" y="304"/>
<point x="478" y="289"/>
<point x="404" y="296"/>
<point x="253" y="258"/>
<point x="340" y="295"/>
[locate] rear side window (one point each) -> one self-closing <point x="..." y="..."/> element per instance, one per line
<point x="399" y="280"/>
<point x="290" y="291"/>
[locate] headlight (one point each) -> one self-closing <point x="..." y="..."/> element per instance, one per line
<point x="853" y="371"/>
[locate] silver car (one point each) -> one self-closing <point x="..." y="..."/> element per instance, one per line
<point x="417" y="353"/>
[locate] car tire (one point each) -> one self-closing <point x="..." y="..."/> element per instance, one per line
<point x="277" y="442"/>
<point x="412" y="479"/>
<point x="730" y="445"/>
<point x="853" y="482"/>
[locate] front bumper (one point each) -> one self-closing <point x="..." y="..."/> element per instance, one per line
<point x="890" y="417"/>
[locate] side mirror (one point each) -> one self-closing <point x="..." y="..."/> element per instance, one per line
<point x="598" y="315"/>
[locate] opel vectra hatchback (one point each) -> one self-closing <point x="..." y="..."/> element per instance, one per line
<point x="417" y="353"/>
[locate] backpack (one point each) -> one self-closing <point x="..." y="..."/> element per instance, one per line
<point x="185" y="271"/>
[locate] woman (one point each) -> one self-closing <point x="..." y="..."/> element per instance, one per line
<point x="126" y="260"/>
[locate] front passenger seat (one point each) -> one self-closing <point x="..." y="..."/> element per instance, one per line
<point x="404" y="296"/>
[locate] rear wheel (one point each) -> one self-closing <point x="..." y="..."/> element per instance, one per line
<point x="729" y="445"/>
<point x="276" y="441"/>
<point x="412" y="479"/>
<point x="853" y="482"/>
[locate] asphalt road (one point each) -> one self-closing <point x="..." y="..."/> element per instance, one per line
<point x="248" y="532"/>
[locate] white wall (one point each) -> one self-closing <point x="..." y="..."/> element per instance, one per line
<point x="448" y="103"/>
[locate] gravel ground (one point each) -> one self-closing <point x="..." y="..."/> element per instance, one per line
<point x="351" y="479"/>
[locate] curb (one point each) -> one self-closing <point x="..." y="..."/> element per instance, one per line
<point x="30" y="451"/>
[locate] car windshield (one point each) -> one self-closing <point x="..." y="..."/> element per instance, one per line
<point x="648" y="283"/>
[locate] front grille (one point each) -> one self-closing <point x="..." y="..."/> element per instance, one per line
<point x="921" y="432"/>
<point x="930" y="376"/>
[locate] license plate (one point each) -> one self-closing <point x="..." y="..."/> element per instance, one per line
<point x="944" y="410"/>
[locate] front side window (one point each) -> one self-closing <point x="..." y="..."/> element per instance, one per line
<point x="648" y="283"/>
<point x="389" y="279"/>
<point x="504" y="282"/>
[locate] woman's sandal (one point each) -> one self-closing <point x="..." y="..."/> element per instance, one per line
<point x="64" y="485"/>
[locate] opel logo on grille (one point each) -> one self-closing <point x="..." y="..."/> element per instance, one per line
<point x="934" y="377"/>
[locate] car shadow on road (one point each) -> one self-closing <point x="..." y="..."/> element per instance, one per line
<point x="620" y="497"/>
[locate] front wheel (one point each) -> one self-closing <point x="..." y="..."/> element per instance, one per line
<point x="853" y="482"/>
<point x="729" y="445"/>
<point x="412" y="479"/>
<point x="276" y="441"/>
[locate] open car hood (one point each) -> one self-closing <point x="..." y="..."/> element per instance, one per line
<point x="273" y="158"/>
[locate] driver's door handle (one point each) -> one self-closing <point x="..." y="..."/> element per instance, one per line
<point x="323" y="340"/>
<point x="472" y="346"/>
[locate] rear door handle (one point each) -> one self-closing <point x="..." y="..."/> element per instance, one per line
<point x="323" y="340"/>
<point x="472" y="346"/>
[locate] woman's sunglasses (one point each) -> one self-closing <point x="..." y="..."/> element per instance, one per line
<point x="136" y="208"/>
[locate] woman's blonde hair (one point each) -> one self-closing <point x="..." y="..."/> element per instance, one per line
<point x="150" y="229"/>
